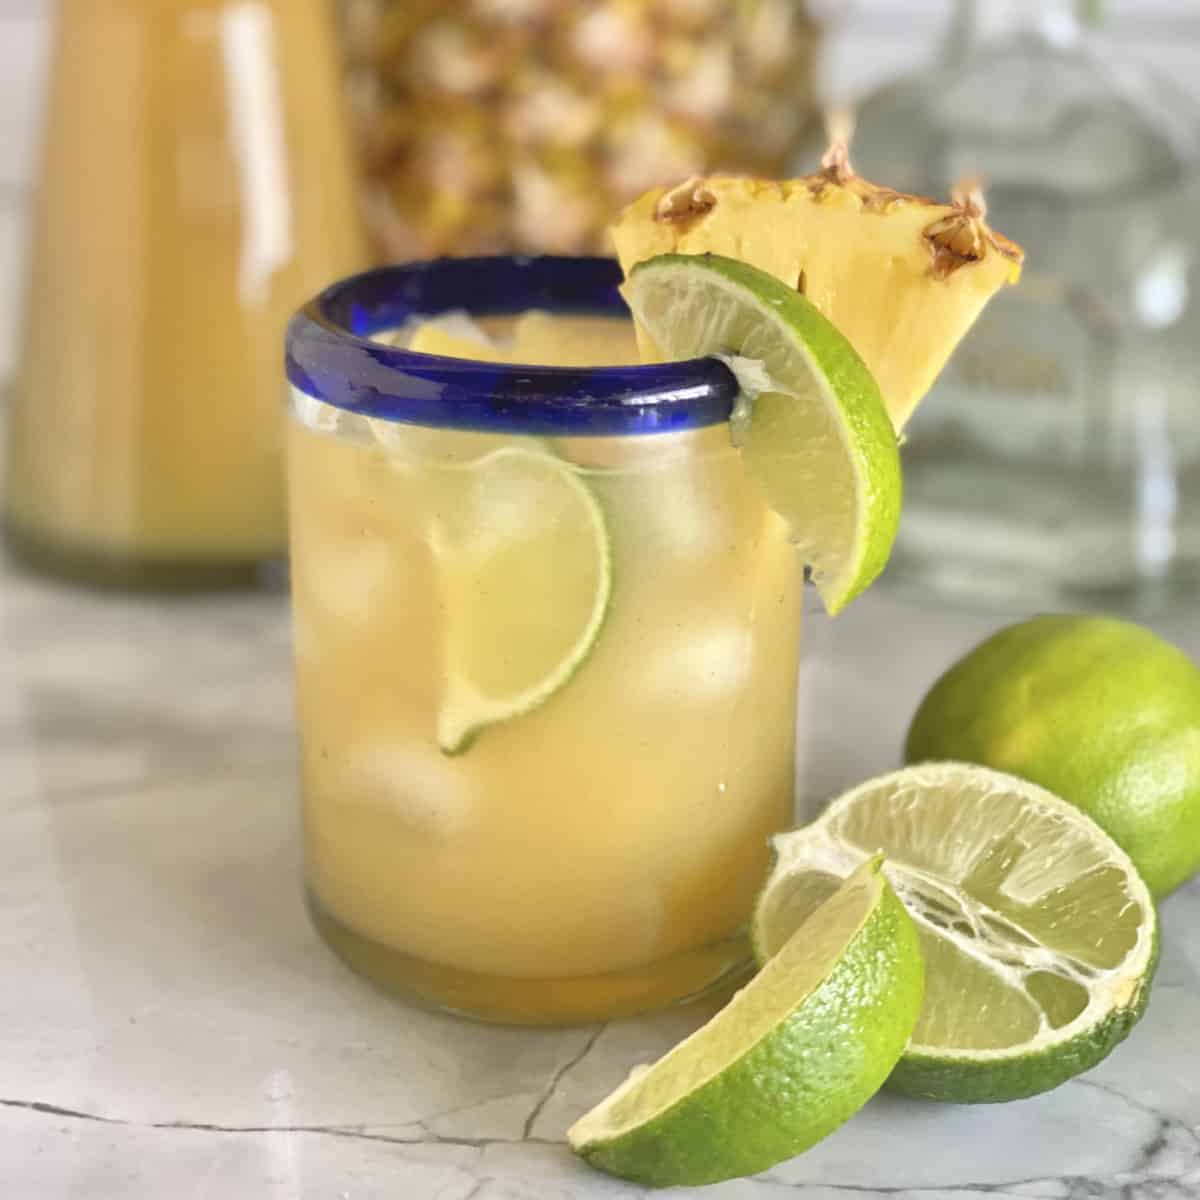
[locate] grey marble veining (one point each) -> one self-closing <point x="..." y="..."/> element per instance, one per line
<point x="170" y="1025"/>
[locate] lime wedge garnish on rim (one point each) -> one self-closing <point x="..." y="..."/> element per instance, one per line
<point x="525" y="572"/>
<point x="1039" y="936"/>
<point x="793" y="1055"/>
<point x="817" y="438"/>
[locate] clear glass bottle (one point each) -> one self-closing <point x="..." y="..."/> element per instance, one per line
<point x="1058" y="457"/>
<point x="196" y="185"/>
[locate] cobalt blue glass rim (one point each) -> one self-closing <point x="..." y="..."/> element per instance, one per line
<point x="330" y="355"/>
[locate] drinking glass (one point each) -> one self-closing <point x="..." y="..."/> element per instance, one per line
<point x="546" y="639"/>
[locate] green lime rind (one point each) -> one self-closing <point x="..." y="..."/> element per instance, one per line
<point x="795" y="1054"/>
<point x="957" y="1080"/>
<point x="1102" y="712"/>
<point x="947" y="829"/>
<point x="843" y="445"/>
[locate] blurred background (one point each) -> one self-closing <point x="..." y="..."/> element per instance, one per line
<point x="867" y="43"/>
<point x="1059" y="456"/>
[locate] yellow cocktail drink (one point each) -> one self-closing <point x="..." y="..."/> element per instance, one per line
<point x="546" y="686"/>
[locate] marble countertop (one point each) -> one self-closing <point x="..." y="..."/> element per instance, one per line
<point x="171" y="1026"/>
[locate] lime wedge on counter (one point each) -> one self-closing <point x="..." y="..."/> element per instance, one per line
<point x="816" y="437"/>
<point x="525" y="571"/>
<point x="794" y="1054"/>
<point x="1039" y="937"/>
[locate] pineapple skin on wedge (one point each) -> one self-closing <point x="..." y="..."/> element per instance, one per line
<point x="902" y="277"/>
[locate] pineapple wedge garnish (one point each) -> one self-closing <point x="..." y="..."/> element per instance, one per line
<point x="901" y="276"/>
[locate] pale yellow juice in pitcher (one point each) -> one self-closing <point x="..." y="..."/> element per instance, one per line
<point x="196" y="185"/>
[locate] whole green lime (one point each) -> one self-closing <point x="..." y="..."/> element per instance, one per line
<point x="1101" y="712"/>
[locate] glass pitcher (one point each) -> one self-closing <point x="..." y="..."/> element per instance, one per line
<point x="197" y="183"/>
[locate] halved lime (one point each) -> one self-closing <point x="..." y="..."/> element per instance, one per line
<point x="525" y="572"/>
<point x="1040" y="938"/>
<point x="794" y="1054"/>
<point x="816" y="437"/>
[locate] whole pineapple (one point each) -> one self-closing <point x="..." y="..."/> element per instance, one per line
<point x="522" y="125"/>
